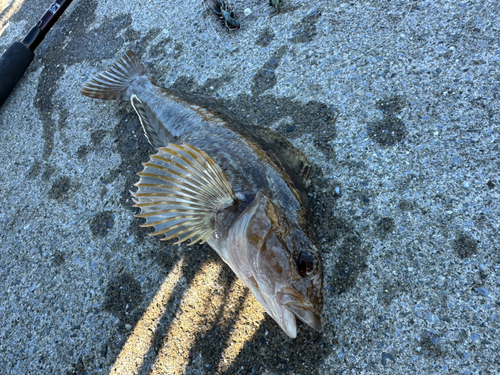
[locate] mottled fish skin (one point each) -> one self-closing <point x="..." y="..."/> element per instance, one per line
<point x="265" y="236"/>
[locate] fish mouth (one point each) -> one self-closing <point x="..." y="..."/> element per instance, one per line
<point x="294" y="305"/>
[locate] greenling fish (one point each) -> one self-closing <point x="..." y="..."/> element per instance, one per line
<point x="240" y="188"/>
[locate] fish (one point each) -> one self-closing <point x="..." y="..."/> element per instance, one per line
<point x="215" y="179"/>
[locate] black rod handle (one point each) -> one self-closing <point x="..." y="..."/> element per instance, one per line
<point x="16" y="59"/>
<point x="13" y="63"/>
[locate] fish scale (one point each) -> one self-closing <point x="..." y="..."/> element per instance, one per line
<point x="238" y="187"/>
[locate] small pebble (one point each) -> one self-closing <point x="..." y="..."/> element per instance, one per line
<point x="255" y="368"/>
<point x="482" y="291"/>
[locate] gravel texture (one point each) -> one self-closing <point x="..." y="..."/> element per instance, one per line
<point x="396" y="104"/>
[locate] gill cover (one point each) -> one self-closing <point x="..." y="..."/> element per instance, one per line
<point x="263" y="251"/>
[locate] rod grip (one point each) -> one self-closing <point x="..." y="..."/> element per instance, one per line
<point x="13" y="63"/>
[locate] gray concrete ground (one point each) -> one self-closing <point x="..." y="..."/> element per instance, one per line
<point x="396" y="104"/>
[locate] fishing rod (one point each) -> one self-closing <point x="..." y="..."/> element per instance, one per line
<point x="16" y="59"/>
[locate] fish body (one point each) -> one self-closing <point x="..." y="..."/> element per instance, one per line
<point x="240" y="188"/>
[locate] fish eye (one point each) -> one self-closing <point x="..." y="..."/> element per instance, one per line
<point x="305" y="264"/>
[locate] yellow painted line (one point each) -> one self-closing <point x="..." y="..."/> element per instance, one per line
<point x="131" y="357"/>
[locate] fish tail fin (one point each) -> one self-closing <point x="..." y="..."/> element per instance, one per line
<point x="114" y="83"/>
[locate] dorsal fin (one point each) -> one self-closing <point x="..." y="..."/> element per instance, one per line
<point x="292" y="160"/>
<point x="157" y="134"/>
<point x="180" y="191"/>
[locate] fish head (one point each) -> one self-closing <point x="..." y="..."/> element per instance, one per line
<point x="278" y="262"/>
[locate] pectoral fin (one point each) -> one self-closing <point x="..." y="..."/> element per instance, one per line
<point x="180" y="190"/>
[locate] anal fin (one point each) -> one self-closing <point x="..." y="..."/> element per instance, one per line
<point x="180" y="191"/>
<point x="157" y="134"/>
